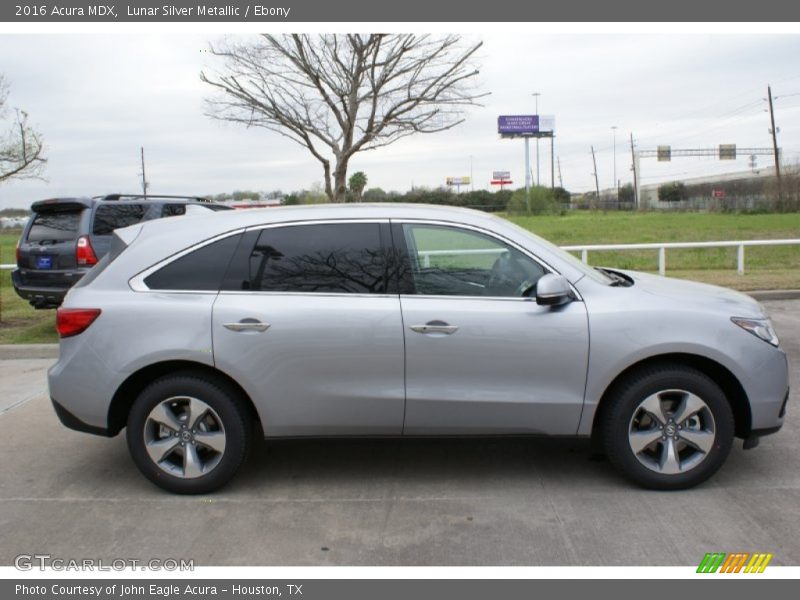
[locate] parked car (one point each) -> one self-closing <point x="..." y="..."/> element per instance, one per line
<point x="395" y="320"/>
<point x="65" y="237"/>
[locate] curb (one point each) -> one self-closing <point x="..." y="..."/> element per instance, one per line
<point x="22" y="351"/>
<point x="774" y="294"/>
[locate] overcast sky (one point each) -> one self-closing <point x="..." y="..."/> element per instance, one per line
<point x="98" y="98"/>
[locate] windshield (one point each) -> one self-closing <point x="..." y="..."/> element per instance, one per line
<point x="590" y="272"/>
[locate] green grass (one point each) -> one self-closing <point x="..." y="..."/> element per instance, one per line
<point x="765" y="268"/>
<point x="771" y="267"/>
<point x="19" y="323"/>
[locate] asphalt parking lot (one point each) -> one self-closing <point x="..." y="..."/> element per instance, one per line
<point x="393" y="502"/>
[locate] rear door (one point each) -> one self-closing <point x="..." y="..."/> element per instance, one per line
<point x="308" y="322"/>
<point x="48" y="244"/>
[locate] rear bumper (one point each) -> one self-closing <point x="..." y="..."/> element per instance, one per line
<point x="37" y="294"/>
<point x="71" y="421"/>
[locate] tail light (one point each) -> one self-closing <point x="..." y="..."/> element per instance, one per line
<point x="72" y="321"/>
<point x="84" y="253"/>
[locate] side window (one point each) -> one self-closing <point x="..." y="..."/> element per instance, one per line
<point x="342" y="258"/>
<point x="173" y="210"/>
<point x="201" y="270"/>
<point x="110" y="216"/>
<point x="448" y="261"/>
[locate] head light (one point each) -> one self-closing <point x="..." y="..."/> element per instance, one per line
<point x="761" y="328"/>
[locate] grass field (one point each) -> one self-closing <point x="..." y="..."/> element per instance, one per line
<point x="765" y="268"/>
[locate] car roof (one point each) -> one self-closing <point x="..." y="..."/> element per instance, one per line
<point x="114" y="199"/>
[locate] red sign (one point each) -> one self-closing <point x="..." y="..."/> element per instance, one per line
<point x="718" y="193"/>
<point x="501" y="182"/>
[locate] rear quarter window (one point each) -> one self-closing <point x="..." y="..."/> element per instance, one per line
<point x="199" y="270"/>
<point x="59" y="226"/>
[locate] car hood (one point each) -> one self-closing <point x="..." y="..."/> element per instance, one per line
<point x="692" y="293"/>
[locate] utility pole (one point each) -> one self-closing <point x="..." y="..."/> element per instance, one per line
<point x="616" y="183"/>
<point x="536" y="95"/>
<point x="144" y="178"/>
<point x="596" y="182"/>
<point x="774" y="132"/>
<point x="471" y="178"/>
<point x="552" y="165"/>
<point x="635" y="177"/>
<point x="560" y="180"/>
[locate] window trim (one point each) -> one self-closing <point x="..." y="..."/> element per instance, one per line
<point x="402" y="247"/>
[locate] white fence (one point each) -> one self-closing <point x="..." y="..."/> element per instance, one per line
<point x="661" y="247"/>
<point x="585" y="249"/>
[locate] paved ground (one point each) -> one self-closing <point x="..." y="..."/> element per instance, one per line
<point x="410" y="502"/>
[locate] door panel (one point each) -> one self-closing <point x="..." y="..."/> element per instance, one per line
<point x="511" y="366"/>
<point x="326" y="365"/>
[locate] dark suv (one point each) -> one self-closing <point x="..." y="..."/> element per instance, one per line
<point x="65" y="237"/>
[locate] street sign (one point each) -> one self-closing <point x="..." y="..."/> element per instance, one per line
<point x="727" y="151"/>
<point x="664" y="153"/>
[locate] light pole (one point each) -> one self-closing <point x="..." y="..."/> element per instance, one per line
<point x="471" y="178"/>
<point x="536" y="96"/>
<point x="616" y="185"/>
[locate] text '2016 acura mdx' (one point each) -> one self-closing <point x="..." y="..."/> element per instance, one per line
<point x="393" y="320"/>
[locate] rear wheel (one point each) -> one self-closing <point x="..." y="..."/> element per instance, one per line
<point x="188" y="434"/>
<point x="668" y="427"/>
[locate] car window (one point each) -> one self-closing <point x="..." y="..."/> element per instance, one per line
<point x="449" y="261"/>
<point x="56" y="226"/>
<point x="109" y="217"/>
<point x="199" y="270"/>
<point x="344" y="258"/>
<point x="173" y="210"/>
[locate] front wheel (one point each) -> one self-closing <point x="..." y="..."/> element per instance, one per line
<point x="668" y="427"/>
<point x="188" y="434"/>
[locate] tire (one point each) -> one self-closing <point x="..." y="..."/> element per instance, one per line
<point x="668" y="427"/>
<point x="197" y="425"/>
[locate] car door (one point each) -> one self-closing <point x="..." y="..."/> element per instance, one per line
<point x="308" y="324"/>
<point x="481" y="357"/>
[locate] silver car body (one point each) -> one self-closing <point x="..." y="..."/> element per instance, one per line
<point x="349" y="364"/>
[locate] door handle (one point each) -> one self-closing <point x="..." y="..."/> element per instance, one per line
<point x="246" y="325"/>
<point x="435" y="327"/>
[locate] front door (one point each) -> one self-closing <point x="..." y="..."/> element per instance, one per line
<point x="481" y="356"/>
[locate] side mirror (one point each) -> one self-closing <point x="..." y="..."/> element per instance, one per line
<point x="553" y="290"/>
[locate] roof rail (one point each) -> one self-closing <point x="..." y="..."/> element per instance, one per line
<point x="115" y="197"/>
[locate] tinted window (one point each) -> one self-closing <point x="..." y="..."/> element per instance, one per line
<point x="55" y="226"/>
<point x="109" y="217"/>
<point x="202" y="269"/>
<point x="173" y="210"/>
<point x="335" y="258"/>
<point x="447" y="261"/>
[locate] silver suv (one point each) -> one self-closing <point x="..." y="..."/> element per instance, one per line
<point x="393" y="320"/>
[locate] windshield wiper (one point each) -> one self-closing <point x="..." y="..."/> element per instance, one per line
<point x="616" y="279"/>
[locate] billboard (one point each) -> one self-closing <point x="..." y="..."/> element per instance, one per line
<point x="458" y="180"/>
<point x="501" y="174"/>
<point x="526" y="125"/>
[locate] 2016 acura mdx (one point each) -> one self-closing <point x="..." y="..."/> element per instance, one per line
<point x="393" y="320"/>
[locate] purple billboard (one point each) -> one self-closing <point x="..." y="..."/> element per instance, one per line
<point x="518" y="124"/>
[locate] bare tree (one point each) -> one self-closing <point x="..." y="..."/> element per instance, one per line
<point x="21" y="148"/>
<point x="338" y="95"/>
